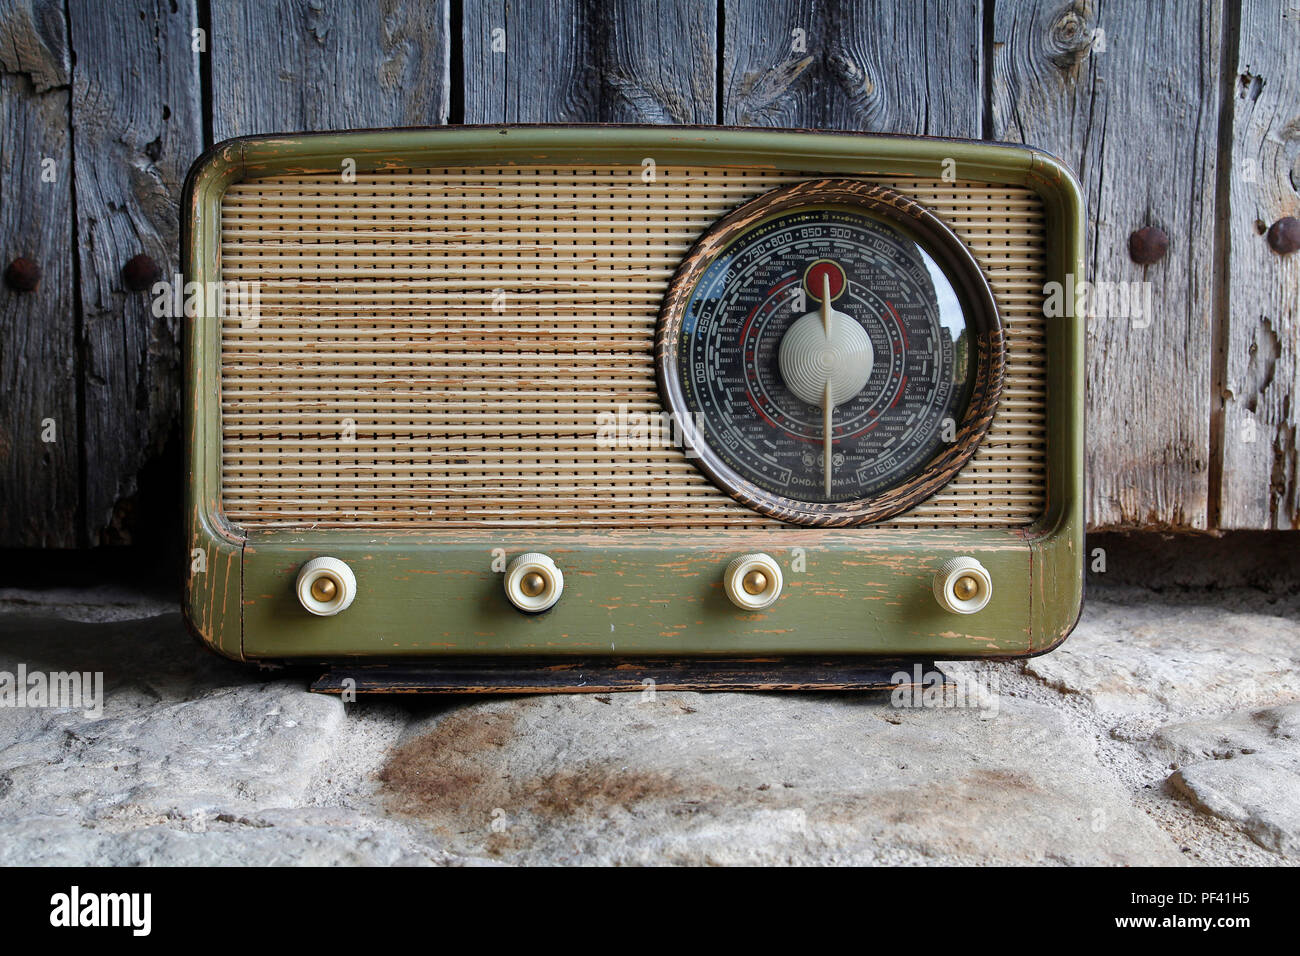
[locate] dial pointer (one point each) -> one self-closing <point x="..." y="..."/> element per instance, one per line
<point x="825" y="359"/>
<point x="828" y="403"/>
<point x="827" y="311"/>
<point x="828" y="412"/>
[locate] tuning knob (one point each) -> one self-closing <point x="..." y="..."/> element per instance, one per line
<point x="753" y="581"/>
<point x="963" y="586"/>
<point x="533" y="582"/>
<point x="326" y="586"/>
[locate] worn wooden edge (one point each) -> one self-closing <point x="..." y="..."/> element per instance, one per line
<point x="964" y="271"/>
<point x="630" y="539"/>
<point x="834" y="152"/>
<point x="1058" y="554"/>
<point x="626" y="676"/>
<point x="213" y="597"/>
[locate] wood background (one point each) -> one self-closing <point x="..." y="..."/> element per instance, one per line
<point x="1183" y="116"/>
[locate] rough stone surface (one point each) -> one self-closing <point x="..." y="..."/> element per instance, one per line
<point x="1251" y="791"/>
<point x="101" y="603"/>
<point x="1129" y="745"/>
<point x="743" y="778"/>
<point x="1137" y="652"/>
<point x="1243" y="768"/>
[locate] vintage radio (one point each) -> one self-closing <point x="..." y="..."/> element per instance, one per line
<point x="582" y="407"/>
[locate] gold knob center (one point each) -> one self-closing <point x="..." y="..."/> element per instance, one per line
<point x="533" y="584"/>
<point x="965" y="587"/>
<point x="754" y="582"/>
<point x="324" y="588"/>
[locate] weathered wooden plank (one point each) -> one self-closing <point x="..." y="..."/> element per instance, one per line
<point x="584" y="62"/>
<point x="137" y="126"/>
<point x="290" y="65"/>
<point x="1259" y="485"/>
<point x="1127" y="94"/>
<point x="882" y="66"/>
<point x="40" y="484"/>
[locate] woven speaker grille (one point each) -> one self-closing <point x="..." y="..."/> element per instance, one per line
<point x="435" y="348"/>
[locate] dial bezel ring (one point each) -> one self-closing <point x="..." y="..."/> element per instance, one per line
<point x="979" y="308"/>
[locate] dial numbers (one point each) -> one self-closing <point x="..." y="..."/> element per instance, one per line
<point x="837" y="346"/>
<point x="769" y="424"/>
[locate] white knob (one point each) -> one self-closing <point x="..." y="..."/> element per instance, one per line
<point x="813" y="361"/>
<point x="753" y="581"/>
<point x="533" y="582"/>
<point x="963" y="586"/>
<point x="326" y="586"/>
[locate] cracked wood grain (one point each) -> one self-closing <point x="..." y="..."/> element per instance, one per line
<point x="137" y="125"/>
<point x="293" y="65"/>
<point x="878" y="66"/>
<point x="584" y="62"/>
<point x="1127" y="94"/>
<point x="1261" y="340"/>
<point x="40" y="483"/>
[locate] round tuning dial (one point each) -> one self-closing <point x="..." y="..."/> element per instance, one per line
<point x="533" y="582"/>
<point x="963" y="586"/>
<point x="326" y="586"/>
<point x="753" y="581"/>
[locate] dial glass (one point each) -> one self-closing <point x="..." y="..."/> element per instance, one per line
<point x="824" y="354"/>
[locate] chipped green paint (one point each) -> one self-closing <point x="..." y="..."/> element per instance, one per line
<point x="865" y="591"/>
<point x="214" y="550"/>
<point x="644" y="593"/>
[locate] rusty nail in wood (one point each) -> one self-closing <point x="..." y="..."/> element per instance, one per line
<point x="22" y="275"/>
<point x="1148" y="245"/>
<point x="140" y="273"/>
<point x="1284" y="235"/>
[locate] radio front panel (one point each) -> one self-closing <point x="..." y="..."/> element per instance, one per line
<point x="442" y="348"/>
<point x="447" y="361"/>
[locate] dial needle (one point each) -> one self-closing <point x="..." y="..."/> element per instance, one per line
<point x="828" y="410"/>
<point x="827" y="312"/>
<point x="828" y="405"/>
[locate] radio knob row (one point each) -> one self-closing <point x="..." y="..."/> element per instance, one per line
<point x="533" y="583"/>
